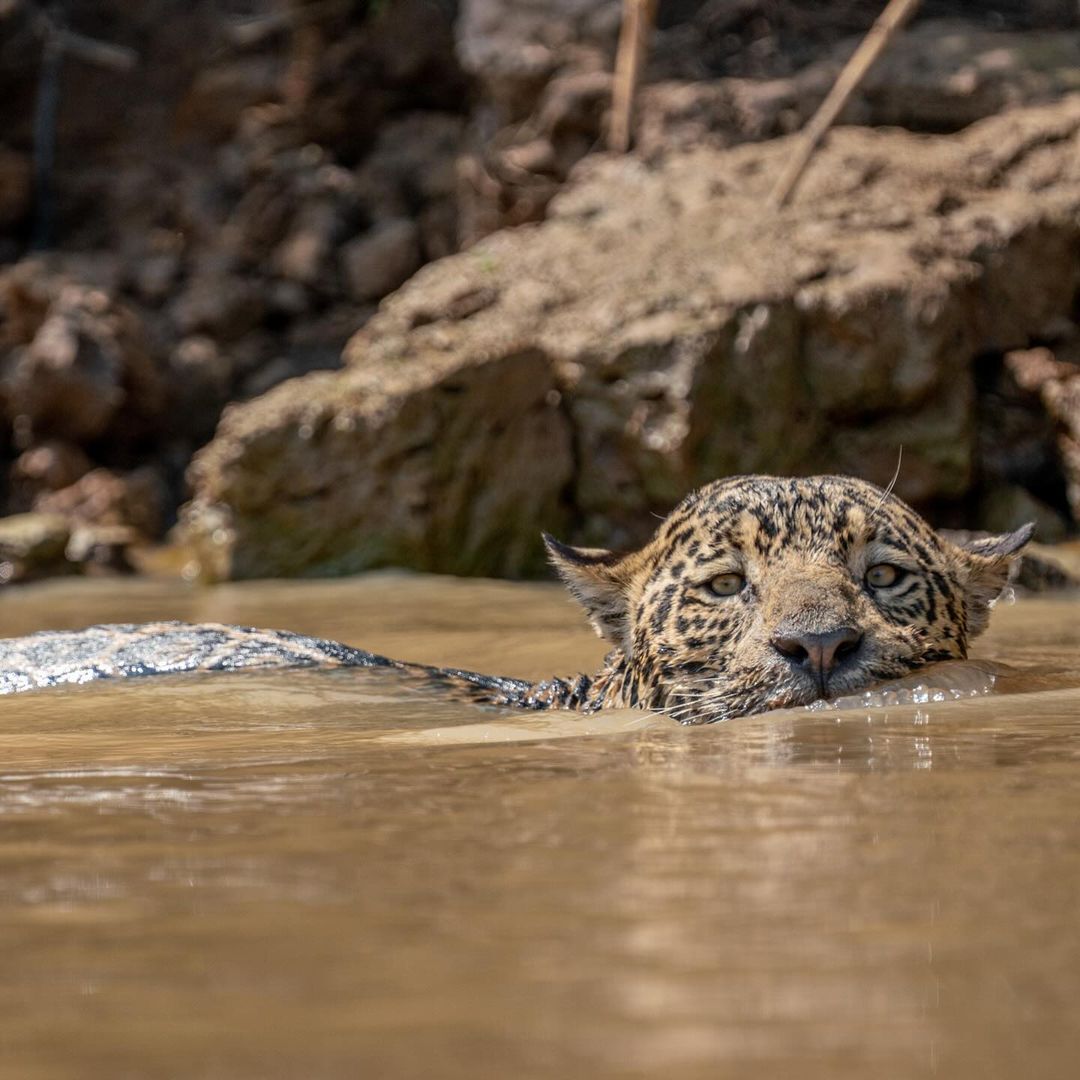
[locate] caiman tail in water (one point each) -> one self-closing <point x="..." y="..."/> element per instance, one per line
<point x="126" y="650"/>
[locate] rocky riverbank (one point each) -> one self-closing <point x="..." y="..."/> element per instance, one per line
<point x="664" y="326"/>
<point x="651" y="325"/>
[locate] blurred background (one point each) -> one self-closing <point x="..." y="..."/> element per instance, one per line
<point x="310" y="287"/>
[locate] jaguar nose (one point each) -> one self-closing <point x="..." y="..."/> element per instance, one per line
<point x="818" y="653"/>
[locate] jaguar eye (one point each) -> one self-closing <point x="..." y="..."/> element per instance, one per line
<point x="883" y="575"/>
<point x="726" y="584"/>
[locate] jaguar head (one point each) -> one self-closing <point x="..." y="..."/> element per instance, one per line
<point x="759" y="593"/>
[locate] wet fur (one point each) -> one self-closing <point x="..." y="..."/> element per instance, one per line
<point x="804" y="546"/>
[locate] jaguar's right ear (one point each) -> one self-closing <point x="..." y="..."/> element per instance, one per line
<point x="599" y="580"/>
<point x="988" y="565"/>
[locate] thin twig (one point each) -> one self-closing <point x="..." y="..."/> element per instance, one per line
<point x="896" y="13"/>
<point x="637" y="24"/>
<point x="48" y="25"/>
<point x="104" y="54"/>
<point x="251" y="30"/>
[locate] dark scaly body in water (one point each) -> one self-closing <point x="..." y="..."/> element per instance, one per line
<point x="127" y="650"/>
<point x="755" y="593"/>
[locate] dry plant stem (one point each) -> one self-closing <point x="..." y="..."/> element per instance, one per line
<point x="637" y="23"/>
<point x="250" y="30"/>
<point x="896" y="13"/>
<point x="57" y="41"/>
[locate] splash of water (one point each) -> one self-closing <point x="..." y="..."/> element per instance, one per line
<point x="945" y="682"/>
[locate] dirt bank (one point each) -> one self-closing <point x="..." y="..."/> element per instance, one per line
<point x="671" y="327"/>
<point x="218" y="221"/>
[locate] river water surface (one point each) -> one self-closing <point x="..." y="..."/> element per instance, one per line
<point x="338" y="874"/>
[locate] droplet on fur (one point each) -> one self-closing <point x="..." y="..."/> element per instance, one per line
<point x="1008" y="596"/>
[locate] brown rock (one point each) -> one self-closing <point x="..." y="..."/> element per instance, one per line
<point x="102" y="497"/>
<point x="946" y="74"/>
<point x="939" y="75"/>
<point x="412" y="172"/>
<point x="697" y="332"/>
<point x="303" y="254"/>
<point x="685" y="115"/>
<point x="48" y="466"/>
<point x="32" y="546"/>
<point x="1035" y="368"/>
<point x="198" y="365"/>
<point x="201" y="381"/>
<point x="379" y="261"/>
<point x="546" y="69"/>
<point x="220" y="93"/>
<point x="68" y="383"/>
<point x="512" y="46"/>
<point x="221" y="304"/>
<point x="77" y="359"/>
<point x="679" y="329"/>
<point x="440" y="466"/>
<point x="99" y="549"/>
<point x="291" y="217"/>
<point x="1058" y="385"/>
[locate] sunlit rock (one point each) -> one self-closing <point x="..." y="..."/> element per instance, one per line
<point x="676" y="328"/>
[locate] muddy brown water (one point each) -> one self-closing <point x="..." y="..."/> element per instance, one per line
<point x="300" y="874"/>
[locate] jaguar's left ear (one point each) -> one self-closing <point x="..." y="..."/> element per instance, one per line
<point x="989" y="563"/>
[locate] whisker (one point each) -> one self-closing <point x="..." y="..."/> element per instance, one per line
<point x="892" y="483"/>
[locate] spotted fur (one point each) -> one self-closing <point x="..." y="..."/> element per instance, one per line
<point x="802" y="548"/>
<point x="800" y="551"/>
